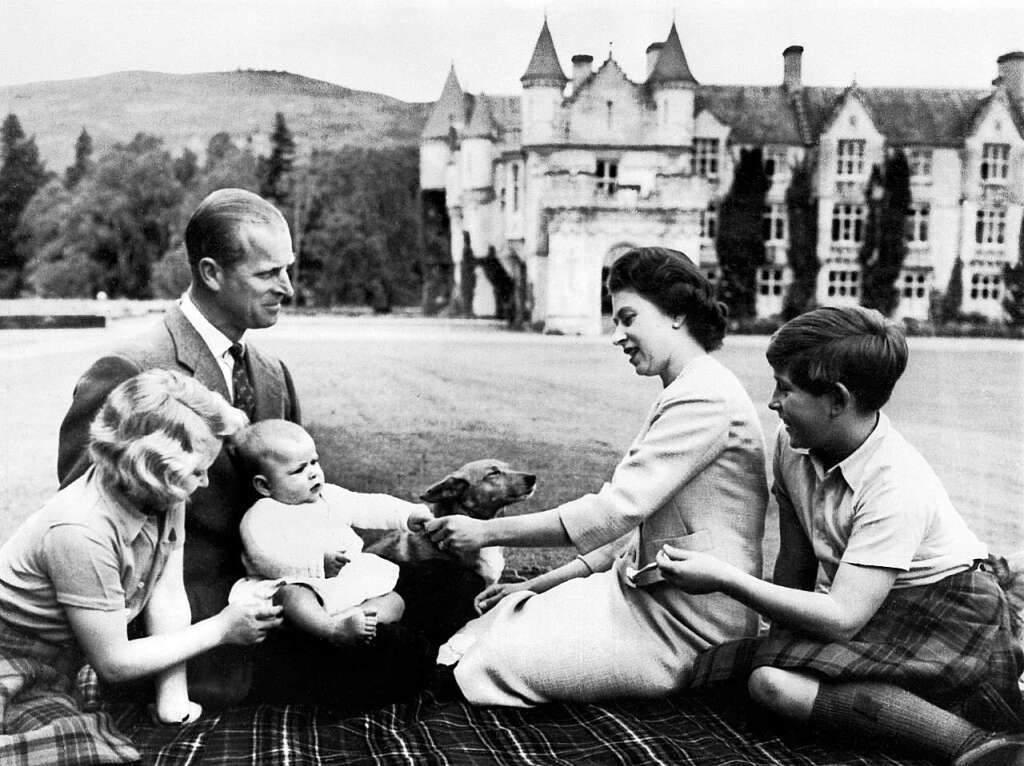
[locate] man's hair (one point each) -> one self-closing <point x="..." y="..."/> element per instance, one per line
<point x="213" y="229"/>
<point x="671" y="281"/>
<point x="257" y="444"/>
<point x="855" y="346"/>
<point x="145" y="435"/>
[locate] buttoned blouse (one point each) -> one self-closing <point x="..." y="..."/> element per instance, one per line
<point x="882" y="506"/>
<point x="83" y="549"/>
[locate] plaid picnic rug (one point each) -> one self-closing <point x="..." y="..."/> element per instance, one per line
<point x="708" y="729"/>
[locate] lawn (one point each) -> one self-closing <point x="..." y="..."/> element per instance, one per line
<point x="396" y="403"/>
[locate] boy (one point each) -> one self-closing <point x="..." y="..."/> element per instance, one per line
<point x="884" y="626"/>
<point x="300" y="531"/>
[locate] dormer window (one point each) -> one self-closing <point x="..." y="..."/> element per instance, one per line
<point x="705" y="157"/>
<point x="607" y="172"/>
<point x="920" y="162"/>
<point x="995" y="163"/>
<point x="850" y="158"/>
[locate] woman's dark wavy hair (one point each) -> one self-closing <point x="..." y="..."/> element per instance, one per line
<point x="852" y="345"/>
<point x="671" y="281"/>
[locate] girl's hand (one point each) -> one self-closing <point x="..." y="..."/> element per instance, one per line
<point x="418" y="518"/>
<point x="249" y="621"/>
<point x="489" y="597"/>
<point x="693" y="571"/>
<point x="458" y="534"/>
<point x="333" y="562"/>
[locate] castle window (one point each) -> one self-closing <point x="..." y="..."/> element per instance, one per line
<point x="920" y="161"/>
<point x="913" y="285"/>
<point x="607" y="171"/>
<point x="843" y="283"/>
<point x="705" y="157"/>
<point x="776" y="162"/>
<point x="995" y="163"/>
<point x="850" y="158"/>
<point x="709" y="221"/>
<point x="986" y="285"/>
<point x="769" y="280"/>
<point x="916" y="223"/>
<point x="773" y="223"/>
<point x="848" y="223"/>
<point x="515" y="187"/>
<point x="611" y="107"/>
<point x="990" y="227"/>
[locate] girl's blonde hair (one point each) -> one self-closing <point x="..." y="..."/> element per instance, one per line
<point x="144" y="438"/>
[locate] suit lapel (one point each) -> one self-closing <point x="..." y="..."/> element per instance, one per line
<point x="193" y="353"/>
<point x="268" y="384"/>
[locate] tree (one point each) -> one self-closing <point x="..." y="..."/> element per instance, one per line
<point x="83" y="164"/>
<point x="802" y="211"/>
<point x="277" y="167"/>
<point x="740" y="242"/>
<point x="952" y="300"/>
<point x="21" y="175"/>
<point x="186" y="167"/>
<point x="1013" y="280"/>
<point x="885" y="242"/>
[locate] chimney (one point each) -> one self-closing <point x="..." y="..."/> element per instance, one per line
<point x="791" y="67"/>
<point x="653" y="51"/>
<point x="581" y="69"/>
<point x="1011" y="73"/>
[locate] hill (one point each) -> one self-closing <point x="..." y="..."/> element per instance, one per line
<point x="187" y="109"/>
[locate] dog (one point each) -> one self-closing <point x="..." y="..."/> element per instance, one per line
<point x="479" y="489"/>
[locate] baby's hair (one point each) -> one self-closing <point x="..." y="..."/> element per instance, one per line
<point x="855" y="346"/>
<point x="256" y="444"/>
<point x="673" y="283"/>
<point x="144" y="437"/>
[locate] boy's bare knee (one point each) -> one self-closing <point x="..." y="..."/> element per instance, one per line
<point x="784" y="692"/>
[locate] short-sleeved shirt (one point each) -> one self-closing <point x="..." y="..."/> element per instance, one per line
<point x="883" y="506"/>
<point x="83" y="549"/>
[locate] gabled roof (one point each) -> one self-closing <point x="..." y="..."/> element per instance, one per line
<point x="757" y="114"/>
<point x="671" y="65"/>
<point x="608" y="72"/>
<point x="449" y="109"/>
<point x="482" y="124"/>
<point x="544" y="66"/>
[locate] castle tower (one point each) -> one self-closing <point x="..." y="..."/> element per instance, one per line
<point x="672" y="88"/>
<point x="478" y="147"/>
<point x="543" y="83"/>
<point x="448" y="115"/>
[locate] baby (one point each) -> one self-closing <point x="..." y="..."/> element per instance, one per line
<point x="300" y="533"/>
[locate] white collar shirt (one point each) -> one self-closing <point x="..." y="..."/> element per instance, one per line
<point x="218" y="343"/>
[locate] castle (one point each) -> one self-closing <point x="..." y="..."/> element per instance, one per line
<point x="562" y="179"/>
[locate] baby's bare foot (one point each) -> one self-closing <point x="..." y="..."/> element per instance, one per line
<point x="353" y="626"/>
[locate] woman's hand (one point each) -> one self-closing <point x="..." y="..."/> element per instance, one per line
<point x="418" y="518"/>
<point x="489" y="597"/>
<point x="247" y="622"/>
<point x="693" y="571"/>
<point x="333" y="562"/>
<point x="458" y="534"/>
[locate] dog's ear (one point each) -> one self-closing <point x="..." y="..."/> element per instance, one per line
<point x="449" y="488"/>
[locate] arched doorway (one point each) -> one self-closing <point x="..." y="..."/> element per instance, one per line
<point x="613" y="254"/>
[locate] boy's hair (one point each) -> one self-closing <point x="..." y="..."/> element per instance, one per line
<point x="144" y="436"/>
<point x="855" y="346"/>
<point x="673" y="283"/>
<point x="257" y="444"/>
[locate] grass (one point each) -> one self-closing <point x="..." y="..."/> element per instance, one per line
<point x="395" y="403"/>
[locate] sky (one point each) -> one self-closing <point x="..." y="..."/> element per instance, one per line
<point x="404" y="48"/>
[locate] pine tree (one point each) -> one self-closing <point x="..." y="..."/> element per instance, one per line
<point x="802" y="210"/>
<point x="21" y="176"/>
<point x="278" y="165"/>
<point x="83" y="161"/>
<point x="885" y="245"/>
<point x="740" y="243"/>
<point x="953" y="298"/>
<point x="1013" y="280"/>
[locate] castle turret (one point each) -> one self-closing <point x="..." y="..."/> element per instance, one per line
<point x="543" y="83"/>
<point x="478" y="147"/>
<point x="447" y="117"/>
<point x="672" y="88"/>
<point x="1011" y="73"/>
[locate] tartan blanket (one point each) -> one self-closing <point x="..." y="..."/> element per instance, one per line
<point x="707" y="729"/>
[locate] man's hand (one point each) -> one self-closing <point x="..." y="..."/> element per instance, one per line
<point x="492" y="594"/>
<point x="692" y="571"/>
<point x="333" y="562"/>
<point x="418" y="518"/>
<point x="458" y="534"/>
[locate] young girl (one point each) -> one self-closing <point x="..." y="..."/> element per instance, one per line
<point x="104" y="550"/>
<point x="884" y="625"/>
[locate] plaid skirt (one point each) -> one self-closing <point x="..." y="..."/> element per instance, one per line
<point x="42" y="722"/>
<point x="948" y="642"/>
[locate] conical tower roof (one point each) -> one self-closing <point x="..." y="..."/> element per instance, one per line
<point x="449" y="110"/>
<point x="482" y="124"/>
<point x="544" y="67"/>
<point x="671" y="65"/>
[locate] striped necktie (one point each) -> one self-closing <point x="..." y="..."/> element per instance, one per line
<point x="245" y="397"/>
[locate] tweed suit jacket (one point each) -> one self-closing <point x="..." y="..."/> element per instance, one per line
<point x="213" y="546"/>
